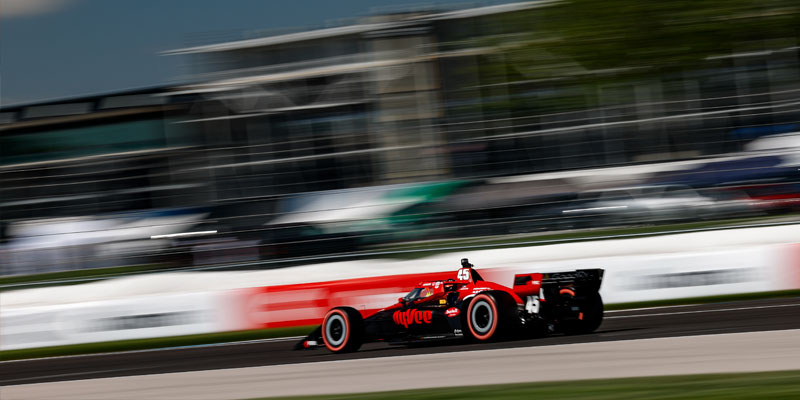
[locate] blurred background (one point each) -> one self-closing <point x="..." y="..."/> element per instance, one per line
<point x="412" y="125"/>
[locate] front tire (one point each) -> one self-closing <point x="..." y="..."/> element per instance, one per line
<point x="343" y="330"/>
<point x="486" y="317"/>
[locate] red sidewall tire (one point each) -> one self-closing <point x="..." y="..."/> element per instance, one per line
<point x="492" y="304"/>
<point x="347" y="330"/>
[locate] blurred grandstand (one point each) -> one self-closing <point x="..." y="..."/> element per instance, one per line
<point x="403" y="126"/>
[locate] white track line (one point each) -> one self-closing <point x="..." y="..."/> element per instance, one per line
<point x="656" y="308"/>
<point x="702" y="311"/>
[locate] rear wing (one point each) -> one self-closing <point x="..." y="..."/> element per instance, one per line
<point x="578" y="283"/>
<point x="581" y="283"/>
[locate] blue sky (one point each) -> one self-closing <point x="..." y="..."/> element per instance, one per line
<point x="51" y="49"/>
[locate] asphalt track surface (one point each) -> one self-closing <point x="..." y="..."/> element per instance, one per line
<point x="685" y="355"/>
<point x="663" y="322"/>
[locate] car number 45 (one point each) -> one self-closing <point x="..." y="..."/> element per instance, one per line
<point x="532" y="304"/>
<point x="463" y="274"/>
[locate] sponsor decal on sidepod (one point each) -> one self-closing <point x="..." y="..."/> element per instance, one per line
<point x="452" y="312"/>
<point x="411" y="317"/>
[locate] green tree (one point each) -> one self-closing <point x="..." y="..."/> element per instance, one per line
<point x="647" y="37"/>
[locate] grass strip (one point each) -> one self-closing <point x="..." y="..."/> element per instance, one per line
<point x="78" y="273"/>
<point x="705" y="300"/>
<point x="153" y="343"/>
<point x="761" y="385"/>
<point x="423" y="249"/>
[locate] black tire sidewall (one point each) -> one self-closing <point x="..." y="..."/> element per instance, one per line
<point x="593" y="317"/>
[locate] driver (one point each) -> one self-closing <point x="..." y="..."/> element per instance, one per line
<point x="473" y="273"/>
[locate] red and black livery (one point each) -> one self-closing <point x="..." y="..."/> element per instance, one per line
<point x="472" y="308"/>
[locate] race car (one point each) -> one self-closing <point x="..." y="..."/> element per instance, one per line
<point x="469" y="307"/>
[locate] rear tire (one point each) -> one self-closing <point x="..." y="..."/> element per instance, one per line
<point x="592" y="310"/>
<point x="343" y="330"/>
